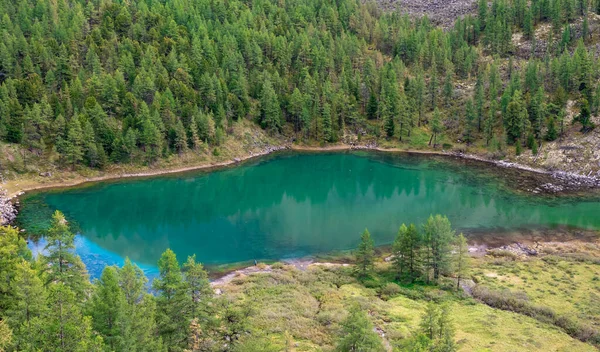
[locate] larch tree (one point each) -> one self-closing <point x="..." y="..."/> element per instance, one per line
<point x="63" y="265"/>
<point x="358" y="334"/>
<point x="173" y="304"/>
<point x="438" y="236"/>
<point x="269" y="106"/>
<point x="365" y="255"/>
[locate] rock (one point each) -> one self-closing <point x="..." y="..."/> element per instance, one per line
<point x="8" y="212"/>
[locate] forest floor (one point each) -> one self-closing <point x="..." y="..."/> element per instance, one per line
<point x="309" y="302"/>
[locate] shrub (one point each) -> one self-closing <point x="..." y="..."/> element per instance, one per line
<point x="389" y="290"/>
<point x="519" y="303"/>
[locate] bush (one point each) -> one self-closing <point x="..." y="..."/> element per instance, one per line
<point x="389" y="290"/>
<point x="371" y="283"/>
<point x="518" y="302"/>
<point x="502" y="253"/>
<point x="278" y="265"/>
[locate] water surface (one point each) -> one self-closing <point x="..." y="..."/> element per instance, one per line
<point x="293" y="205"/>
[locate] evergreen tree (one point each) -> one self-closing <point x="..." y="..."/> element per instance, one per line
<point x="448" y="89"/>
<point x="62" y="265"/>
<point x="137" y="321"/>
<point x="29" y="304"/>
<point x="13" y="249"/>
<point x="516" y="114"/>
<point x="358" y="334"/>
<point x="372" y="107"/>
<point x="198" y="287"/>
<point x="106" y="305"/>
<point x="72" y="147"/>
<point x="64" y="327"/>
<point x="468" y="135"/>
<point x="584" y="116"/>
<point x="172" y="303"/>
<point x="438" y="236"/>
<point x="406" y="249"/>
<point x="438" y="329"/>
<point x="270" y="109"/>
<point x="365" y="255"/>
<point x="551" y="133"/>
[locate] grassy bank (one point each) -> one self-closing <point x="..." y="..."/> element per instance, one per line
<point x="306" y="305"/>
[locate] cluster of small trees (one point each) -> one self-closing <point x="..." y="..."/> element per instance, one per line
<point x="419" y="253"/>
<point x="424" y="253"/>
<point x="435" y="333"/>
<point x="49" y="304"/>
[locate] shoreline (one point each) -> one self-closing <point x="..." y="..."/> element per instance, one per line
<point x="567" y="179"/>
<point x="515" y="248"/>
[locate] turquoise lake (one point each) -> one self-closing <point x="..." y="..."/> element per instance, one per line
<point x="293" y="205"/>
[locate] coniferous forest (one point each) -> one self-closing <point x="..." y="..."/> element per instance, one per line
<point x="99" y="82"/>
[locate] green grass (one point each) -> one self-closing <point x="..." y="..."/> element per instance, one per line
<point x="567" y="287"/>
<point x="310" y="305"/>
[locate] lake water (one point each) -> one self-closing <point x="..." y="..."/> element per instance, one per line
<point x="293" y="205"/>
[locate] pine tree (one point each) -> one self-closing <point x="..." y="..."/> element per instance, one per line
<point x="193" y="139"/>
<point x="448" y="89"/>
<point x="198" y="287"/>
<point x="438" y="236"/>
<point x="172" y="302"/>
<point x="365" y="255"/>
<point x="516" y="114"/>
<point x="106" y="305"/>
<point x="137" y="323"/>
<point x="13" y="249"/>
<point x="296" y="102"/>
<point x="551" y="133"/>
<point x="327" y="125"/>
<point x="482" y="6"/>
<point x="406" y="249"/>
<point x="5" y="336"/>
<point x="438" y="329"/>
<point x="468" y="135"/>
<point x="64" y="266"/>
<point x="584" y="116"/>
<point x="270" y="109"/>
<point x="72" y="146"/>
<point x="358" y="334"/>
<point x="64" y="327"/>
<point x="372" y="107"/>
<point x="30" y="303"/>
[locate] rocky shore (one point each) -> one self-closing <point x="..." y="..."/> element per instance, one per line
<point x="563" y="181"/>
<point x="555" y="182"/>
<point x="8" y="212"/>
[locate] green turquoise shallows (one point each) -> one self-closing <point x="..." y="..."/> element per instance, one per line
<point x="293" y="205"/>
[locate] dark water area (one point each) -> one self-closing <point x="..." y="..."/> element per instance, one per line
<point x="293" y="205"/>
